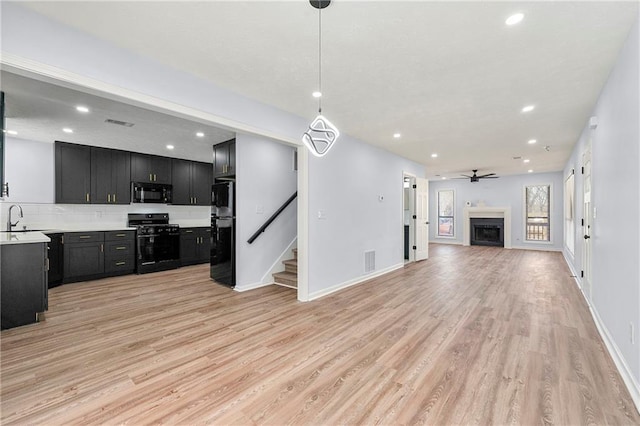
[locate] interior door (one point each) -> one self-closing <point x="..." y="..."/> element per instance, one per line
<point x="422" y="219"/>
<point x="586" y="229"/>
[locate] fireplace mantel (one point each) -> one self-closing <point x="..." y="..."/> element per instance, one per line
<point x="469" y="212"/>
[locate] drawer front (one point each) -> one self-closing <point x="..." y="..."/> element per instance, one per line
<point x="118" y="248"/>
<point x="119" y="264"/>
<point x="119" y="235"/>
<point x="83" y="237"/>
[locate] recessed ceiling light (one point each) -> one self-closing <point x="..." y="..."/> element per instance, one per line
<point x="514" y="19"/>
<point x="529" y="171"/>
<point x="444" y="178"/>
<point x="532" y="141"/>
<point x="526" y="160"/>
<point x="81" y="108"/>
<point x="67" y="130"/>
<point x="316" y="94"/>
<point x="170" y="146"/>
<point x="434" y="155"/>
<point x="11" y="132"/>
<point x="200" y="135"/>
<point x="397" y="135"/>
<point x="528" y="108"/>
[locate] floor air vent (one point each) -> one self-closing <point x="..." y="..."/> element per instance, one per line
<point x="369" y="261"/>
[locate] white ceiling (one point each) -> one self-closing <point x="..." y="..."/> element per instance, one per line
<point x="450" y="76"/>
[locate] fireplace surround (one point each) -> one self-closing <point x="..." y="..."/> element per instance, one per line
<point x="486" y="212"/>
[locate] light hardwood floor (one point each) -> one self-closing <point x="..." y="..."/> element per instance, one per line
<point x="474" y="335"/>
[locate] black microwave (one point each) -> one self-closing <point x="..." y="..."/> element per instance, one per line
<point x="142" y="192"/>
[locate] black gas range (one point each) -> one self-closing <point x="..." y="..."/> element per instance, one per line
<point x="157" y="242"/>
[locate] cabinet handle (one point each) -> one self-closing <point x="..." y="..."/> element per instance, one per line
<point x="188" y="231"/>
<point x="108" y="198"/>
<point x="46" y="264"/>
<point x="120" y="263"/>
<point x="155" y="177"/>
<point x="121" y="248"/>
<point x="84" y="237"/>
<point x="114" y="198"/>
<point x="196" y="200"/>
<point x="87" y="197"/>
<point x="102" y="248"/>
<point x="62" y="240"/>
<point x="121" y="235"/>
<point x="150" y="177"/>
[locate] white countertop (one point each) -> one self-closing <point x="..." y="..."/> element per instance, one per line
<point x="23" y="238"/>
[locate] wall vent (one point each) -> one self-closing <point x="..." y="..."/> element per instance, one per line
<point x="369" y="261"/>
<point x="118" y="122"/>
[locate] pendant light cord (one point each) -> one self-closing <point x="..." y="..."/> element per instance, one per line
<point x="320" y="58"/>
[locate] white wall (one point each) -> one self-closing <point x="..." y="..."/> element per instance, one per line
<point x="345" y="185"/>
<point x="264" y="180"/>
<point x="507" y="191"/>
<point x="30" y="172"/>
<point x="615" y="235"/>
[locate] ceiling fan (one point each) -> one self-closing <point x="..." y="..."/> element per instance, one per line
<point x="476" y="178"/>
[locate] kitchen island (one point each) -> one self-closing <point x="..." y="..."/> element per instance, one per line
<point x="23" y="277"/>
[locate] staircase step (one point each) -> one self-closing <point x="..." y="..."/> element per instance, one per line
<point x="286" y="278"/>
<point x="291" y="265"/>
<point x="295" y="253"/>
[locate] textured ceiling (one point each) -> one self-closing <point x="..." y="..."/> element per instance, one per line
<point x="450" y="76"/>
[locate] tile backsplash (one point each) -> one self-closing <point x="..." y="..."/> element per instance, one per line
<point x="69" y="216"/>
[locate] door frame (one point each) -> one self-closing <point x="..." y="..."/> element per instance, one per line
<point x="587" y="226"/>
<point x="412" y="213"/>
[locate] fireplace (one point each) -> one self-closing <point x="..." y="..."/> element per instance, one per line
<point x="487" y="232"/>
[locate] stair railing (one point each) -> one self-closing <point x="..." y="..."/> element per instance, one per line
<point x="272" y="218"/>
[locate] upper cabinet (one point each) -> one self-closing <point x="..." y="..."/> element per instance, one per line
<point x="150" y="168"/>
<point x="191" y="182"/>
<point x="224" y="159"/>
<point x="110" y="176"/>
<point x="73" y="173"/>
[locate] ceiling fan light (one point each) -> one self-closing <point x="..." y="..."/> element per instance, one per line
<point x="514" y="19"/>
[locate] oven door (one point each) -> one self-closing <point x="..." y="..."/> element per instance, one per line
<point x="157" y="252"/>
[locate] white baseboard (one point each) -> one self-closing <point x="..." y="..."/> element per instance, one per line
<point x="278" y="266"/>
<point x="537" y="248"/>
<point x="618" y="359"/>
<point x="251" y="286"/>
<point x="453" y="242"/>
<point x="355" y="281"/>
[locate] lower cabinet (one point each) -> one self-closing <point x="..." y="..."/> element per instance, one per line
<point x="56" y="258"/>
<point x="195" y="245"/>
<point x="23" y="286"/>
<point x="90" y="255"/>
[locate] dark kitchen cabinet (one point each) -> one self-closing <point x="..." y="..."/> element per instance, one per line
<point x="90" y="255"/>
<point x="150" y="168"/>
<point x="119" y="252"/>
<point x="24" y="290"/>
<point x="73" y="173"/>
<point x="110" y="176"/>
<point x="55" y="260"/>
<point x="224" y="159"/>
<point x="83" y="255"/>
<point x="191" y="182"/>
<point x="195" y="245"/>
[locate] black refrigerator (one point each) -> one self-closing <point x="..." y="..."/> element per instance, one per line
<point x="223" y="221"/>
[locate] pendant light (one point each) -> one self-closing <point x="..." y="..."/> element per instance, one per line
<point x="321" y="135"/>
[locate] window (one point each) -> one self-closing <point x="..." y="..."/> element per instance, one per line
<point x="446" y="207"/>
<point x="537" y="199"/>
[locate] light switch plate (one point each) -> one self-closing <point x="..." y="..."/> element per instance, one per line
<point x="322" y="214"/>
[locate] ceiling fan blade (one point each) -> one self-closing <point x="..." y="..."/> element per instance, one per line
<point x="487" y="175"/>
<point x="467" y="176"/>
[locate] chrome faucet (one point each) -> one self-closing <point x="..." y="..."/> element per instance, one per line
<point x="9" y="224"/>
